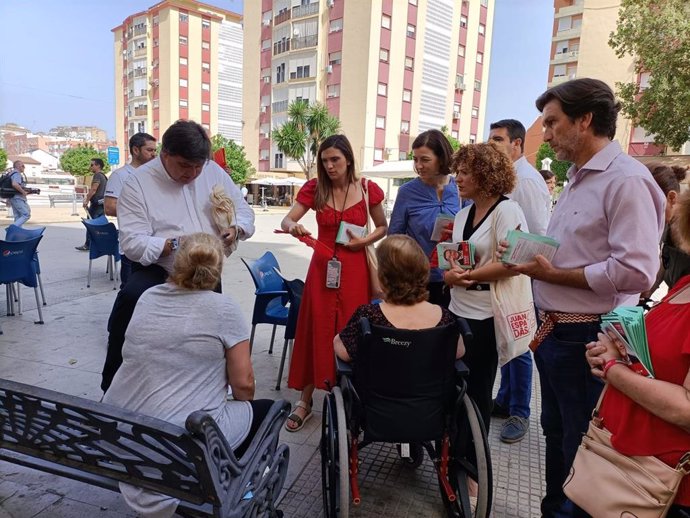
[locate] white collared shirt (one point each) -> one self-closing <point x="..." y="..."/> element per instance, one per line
<point x="532" y="194"/>
<point x="117" y="179"/>
<point x="153" y="207"/>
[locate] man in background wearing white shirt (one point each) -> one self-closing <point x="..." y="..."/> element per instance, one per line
<point x="142" y="148"/>
<point x="532" y="194"/>
<point x="165" y="199"/>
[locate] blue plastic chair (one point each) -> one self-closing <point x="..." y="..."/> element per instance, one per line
<point x="16" y="265"/>
<point x="15" y="233"/>
<point x="295" y="289"/>
<point x="270" y="305"/>
<point x="104" y="241"/>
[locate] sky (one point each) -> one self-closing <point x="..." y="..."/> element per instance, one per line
<point x="57" y="60"/>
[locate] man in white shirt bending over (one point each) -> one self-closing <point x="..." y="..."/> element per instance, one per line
<point x="165" y="199"/>
<point x="532" y="194"/>
<point x="142" y="149"/>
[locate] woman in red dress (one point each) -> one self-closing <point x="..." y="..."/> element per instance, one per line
<point x="652" y="416"/>
<point x="337" y="196"/>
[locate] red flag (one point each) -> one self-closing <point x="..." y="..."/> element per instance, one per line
<point x="219" y="158"/>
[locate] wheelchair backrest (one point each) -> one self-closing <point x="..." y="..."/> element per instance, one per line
<point x="406" y="381"/>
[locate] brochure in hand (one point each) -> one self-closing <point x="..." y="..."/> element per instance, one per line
<point x="523" y="247"/>
<point x="627" y="324"/>
<point x="343" y="237"/>
<point x="462" y="253"/>
<point x="442" y="221"/>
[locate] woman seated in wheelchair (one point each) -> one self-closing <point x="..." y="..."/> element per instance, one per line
<point x="404" y="275"/>
<point x="179" y="357"/>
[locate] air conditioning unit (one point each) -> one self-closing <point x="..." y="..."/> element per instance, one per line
<point x="330" y="3"/>
<point x="329" y="69"/>
<point x="263" y="109"/>
<point x="267" y="22"/>
<point x="460" y="85"/>
<point x="456" y="114"/>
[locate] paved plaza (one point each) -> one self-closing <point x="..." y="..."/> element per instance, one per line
<point x="66" y="354"/>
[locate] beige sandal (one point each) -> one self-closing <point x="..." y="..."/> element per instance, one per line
<point x="301" y="421"/>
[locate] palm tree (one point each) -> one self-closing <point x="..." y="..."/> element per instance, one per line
<point x="300" y="137"/>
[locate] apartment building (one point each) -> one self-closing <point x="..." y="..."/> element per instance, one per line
<point x="389" y="69"/>
<point x="580" y="48"/>
<point x="180" y="59"/>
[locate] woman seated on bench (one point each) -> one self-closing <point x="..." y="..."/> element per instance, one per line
<point x="404" y="275"/>
<point x="184" y="345"/>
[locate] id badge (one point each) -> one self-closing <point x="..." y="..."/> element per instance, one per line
<point x="333" y="274"/>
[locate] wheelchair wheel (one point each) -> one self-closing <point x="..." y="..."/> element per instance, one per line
<point x="335" y="483"/>
<point x="470" y="458"/>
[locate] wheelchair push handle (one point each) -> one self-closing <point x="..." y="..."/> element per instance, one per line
<point x="465" y="330"/>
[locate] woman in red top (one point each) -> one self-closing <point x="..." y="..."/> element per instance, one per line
<point x="652" y="416"/>
<point x="337" y="195"/>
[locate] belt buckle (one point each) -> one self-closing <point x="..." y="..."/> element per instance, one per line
<point x="478" y="287"/>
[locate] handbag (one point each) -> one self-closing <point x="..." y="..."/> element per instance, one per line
<point x="635" y="486"/>
<point x="372" y="262"/>
<point x="512" y="303"/>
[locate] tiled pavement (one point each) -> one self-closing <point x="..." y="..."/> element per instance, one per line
<point x="66" y="354"/>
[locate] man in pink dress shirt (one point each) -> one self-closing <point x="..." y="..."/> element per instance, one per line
<point x="608" y="221"/>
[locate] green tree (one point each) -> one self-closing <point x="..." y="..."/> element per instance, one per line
<point x="77" y="160"/>
<point x="454" y="143"/>
<point x="558" y="167"/>
<point x="300" y="137"/>
<point x="657" y="34"/>
<point x="3" y="160"/>
<point x="235" y="157"/>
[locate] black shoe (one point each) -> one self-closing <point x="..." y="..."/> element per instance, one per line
<point x="83" y="248"/>
<point x="499" y="411"/>
<point x="514" y="429"/>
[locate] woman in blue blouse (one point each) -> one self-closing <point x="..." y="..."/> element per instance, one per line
<point x="420" y="201"/>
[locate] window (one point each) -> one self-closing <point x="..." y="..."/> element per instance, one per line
<point x="475" y="112"/>
<point x="411" y="30"/>
<point x="559" y="71"/>
<point x="335" y="58"/>
<point x="280" y="73"/>
<point x="184" y="18"/>
<point x="300" y="72"/>
<point x="461" y="51"/>
<point x="278" y="161"/>
<point x="332" y="91"/>
<point x="409" y="63"/>
<point x="336" y="25"/>
<point x="405" y="127"/>
<point x="480" y="57"/>
<point x="206" y="45"/>
<point x="265" y="44"/>
<point x="413" y="2"/>
<point x="155" y="42"/>
<point x="477" y="85"/>
<point x="484" y="3"/>
<point x="266" y="75"/>
<point x="407" y="96"/>
<point x="463" y="21"/>
<point x="156" y="103"/>
<point x="183" y="103"/>
<point x="183" y="40"/>
<point x="383" y="55"/>
<point x="205" y="24"/>
<point x="183" y="61"/>
<point x="386" y="21"/>
<point x="205" y="86"/>
<point x="183" y="83"/>
<point x="381" y="122"/>
<point x="263" y="154"/>
<point x="401" y="156"/>
<point x="382" y="89"/>
<point x="473" y="139"/>
<point x="378" y="154"/>
<point x="205" y="107"/>
<point x="155" y="20"/>
<point x="454" y="134"/>
<point x="482" y="29"/>
<point x="565" y="23"/>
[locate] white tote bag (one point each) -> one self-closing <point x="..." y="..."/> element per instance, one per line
<point x="515" y="321"/>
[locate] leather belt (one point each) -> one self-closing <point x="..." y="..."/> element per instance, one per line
<point x="479" y="287"/>
<point x="549" y="319"/>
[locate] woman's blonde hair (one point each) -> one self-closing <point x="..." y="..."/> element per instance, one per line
<point x="198" y="262"/>
<point x="403" y="270"/>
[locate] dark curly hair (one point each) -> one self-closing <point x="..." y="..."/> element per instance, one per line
<point x="403" y="270"/>
<point x="491" y="167"/>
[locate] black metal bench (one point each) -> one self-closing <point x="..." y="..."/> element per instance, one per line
<point x="103" y="445"/>
<point x="60" y="198"/>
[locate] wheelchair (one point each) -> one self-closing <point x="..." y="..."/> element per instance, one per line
<point x="406" y="388"/>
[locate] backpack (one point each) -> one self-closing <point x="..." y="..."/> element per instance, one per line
<point x="6" y="189"/>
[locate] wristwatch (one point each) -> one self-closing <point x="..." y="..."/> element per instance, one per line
<point x="174" y="243"/>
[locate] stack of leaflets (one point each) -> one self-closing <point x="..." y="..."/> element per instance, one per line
<point x="627" y="324"/>
<point x="523" y="247"/>
<point x="442" y="221"/>
<point x="462" y="253"/>
<point x="343" y="237"/>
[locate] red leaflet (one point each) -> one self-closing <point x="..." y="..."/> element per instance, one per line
<point x="317" y="245"/>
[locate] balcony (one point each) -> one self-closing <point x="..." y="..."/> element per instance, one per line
<point x="140" y="52"/>
<point x="281" y="46"/>
<point x="140" y="72"/>
<point x="567" y="34"/>
<point x="561" y="79"/>
<point x="565" y="57"/>
<point x="570" y="10"/>
<point x="140" y="111"/>
<point x="140" y="31"/>
<point x="304" y="42"/>
<point x="282" y="17"/>
<point x="305" y="10"/>
<point x="280" y="106"/>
